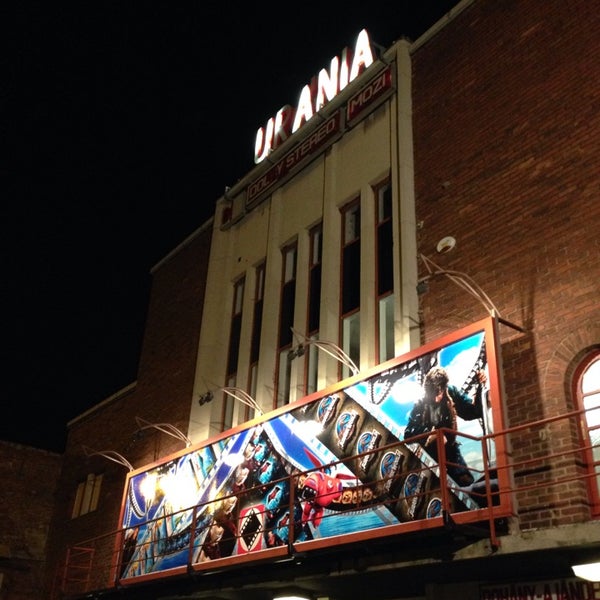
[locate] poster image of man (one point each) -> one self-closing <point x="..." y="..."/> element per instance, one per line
<point x="439" y="408"/>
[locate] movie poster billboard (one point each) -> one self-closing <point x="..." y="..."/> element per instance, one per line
<point x="380" y="453"/>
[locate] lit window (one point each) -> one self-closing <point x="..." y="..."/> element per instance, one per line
<point x="385" y="273"/>
<point x="86" y="498"/>
<point x="286" y="322"/>
<point x="314" y="308"/>
<point x="259" y="290"/>
<point x="351" y="223"/>
<point x="228" y="401"/>
<point x="588" y="392"/>
<point x="350" y="284"/>
<point x="234" y="351"/>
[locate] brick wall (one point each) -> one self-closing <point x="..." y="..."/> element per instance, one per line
<point x="29" y="478"/>
<point x="169" y="350"/>
<point x="507" y="121"/>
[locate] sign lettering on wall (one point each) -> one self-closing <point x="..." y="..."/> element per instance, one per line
<point x="357" y="107"/>
<point x="556" y="589"/>
<point x="294" y="159"/>
<point x="314" y="96"/>
<point x="362" y="101"/>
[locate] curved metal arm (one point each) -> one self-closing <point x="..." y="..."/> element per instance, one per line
<point x="110" y="455"/>
<point x="165" y="428"/>
<point x="243" y="397"/>
<point x="329" y="347"/>
<point x="464" y="281"/>
<point x="236" y="393"/>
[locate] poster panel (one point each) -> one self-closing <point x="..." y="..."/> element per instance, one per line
<point x="383" y="452"/>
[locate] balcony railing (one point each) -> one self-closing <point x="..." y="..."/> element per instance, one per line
<point x="545" y="469"/>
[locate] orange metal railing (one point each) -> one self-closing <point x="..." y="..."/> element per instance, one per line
<point x="531" y="460"/>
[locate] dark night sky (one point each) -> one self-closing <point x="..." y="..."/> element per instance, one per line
<point x="125" y="121"/>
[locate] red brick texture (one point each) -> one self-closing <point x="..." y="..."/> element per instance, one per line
<point x="507" y="123"/>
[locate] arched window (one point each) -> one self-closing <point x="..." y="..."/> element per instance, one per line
<point x="587" y="383"/>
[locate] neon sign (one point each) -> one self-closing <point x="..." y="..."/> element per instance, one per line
<point x="314" y="96"/>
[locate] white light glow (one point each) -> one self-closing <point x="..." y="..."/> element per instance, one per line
<point x="327" y="84"/>
<point x="363" y="57"/>
<point x="179" y="490"/>
<point x="304" y="112"/>
<point x="148" y="487"/>
<point x="589" y="571"/>
<point x="308" y="429"/>
<point x="234" y="459"/>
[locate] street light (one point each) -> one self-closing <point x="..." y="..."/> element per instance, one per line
<point x="589" y="571"/>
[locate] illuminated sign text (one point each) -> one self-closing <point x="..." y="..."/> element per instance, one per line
<point x="314" y="96"/>
<point x="308" y="147"/>
<point x="357" y="107"/>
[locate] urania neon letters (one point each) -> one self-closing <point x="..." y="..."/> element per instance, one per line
<point x="314" y="96"/>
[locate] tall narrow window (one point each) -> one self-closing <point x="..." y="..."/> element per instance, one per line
<point x="385" y="273"/>
<point x="286" y="321"/>
<point x="350" y="285"/>
<point x="259" y="292"/>
<point x="88" y="493"/>
<point x="234" y="351"/>
<point x="314" y="308"/>
<point x="588" y="394"/>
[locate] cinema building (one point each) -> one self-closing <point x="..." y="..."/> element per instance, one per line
<point x="375" y="372"/>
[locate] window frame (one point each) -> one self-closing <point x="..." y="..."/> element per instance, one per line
<point x="385" y="342"/>
<point x="350" y="256"/>
<point x="315" y="271"/>
<point x="590" y="360"/>
<point x="233" y="350"/>
<point x="287" y="306"/>
<point x="87" y="495"/>
<point x="257" y="311"/>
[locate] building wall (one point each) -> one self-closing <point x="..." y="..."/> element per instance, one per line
<point x="29" y="479"/>
<point x="506" y="136"/>
<point x="108" y="427"/>
<point x="168" y="357"/>
<point x="348" y="169"/>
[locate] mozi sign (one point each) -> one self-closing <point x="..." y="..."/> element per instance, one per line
<point x="314" y="96"/>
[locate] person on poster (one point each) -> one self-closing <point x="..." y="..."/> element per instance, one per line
<point x="211" y="549"/>
<point x="129" y="545"/>
<point x="438" y="408"/>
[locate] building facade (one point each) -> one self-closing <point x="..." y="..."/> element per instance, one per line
<point x="440" y="183"/>
<point x="29" y="484"/>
